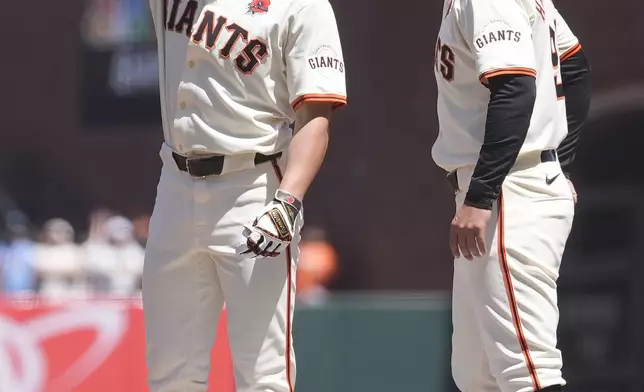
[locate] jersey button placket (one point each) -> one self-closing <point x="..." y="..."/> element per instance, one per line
<point x="181" y="96"/>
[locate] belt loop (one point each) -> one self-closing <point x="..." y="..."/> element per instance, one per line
<point x="235" y="163"/>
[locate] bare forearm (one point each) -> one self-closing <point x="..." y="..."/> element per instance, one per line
<point x="306" y="153"/>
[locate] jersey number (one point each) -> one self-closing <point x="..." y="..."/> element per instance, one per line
<point x="444" y="60"/>
<point x="556" y="64"/>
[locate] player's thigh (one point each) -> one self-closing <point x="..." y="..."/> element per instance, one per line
<point x="181" y="294"/>
<point x="517" y="303"/>
<point x="260" y="295"/>
<point x="171" y="225"/>
<point x="182" y="300"/>
<point x="470" y="367"/>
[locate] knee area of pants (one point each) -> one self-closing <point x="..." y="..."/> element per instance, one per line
<point x="463" y="382"/>
<point x="552" y="388"/>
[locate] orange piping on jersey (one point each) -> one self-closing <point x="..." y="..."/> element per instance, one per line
<point x="570" y="52"/>
<point x="508" y="71"/>
<point x="337" y="100"/>
<point x="512" y="300"/>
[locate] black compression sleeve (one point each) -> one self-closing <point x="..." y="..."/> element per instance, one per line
<point x="508" y="119"/>
<point x="575" y="76"/>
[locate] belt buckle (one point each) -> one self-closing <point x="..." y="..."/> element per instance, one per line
<point x="188" y="159"/>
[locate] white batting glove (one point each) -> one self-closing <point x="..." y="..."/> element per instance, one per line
<point x="273" y="229"/>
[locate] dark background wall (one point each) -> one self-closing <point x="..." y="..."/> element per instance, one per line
<point x="384" y="203"/>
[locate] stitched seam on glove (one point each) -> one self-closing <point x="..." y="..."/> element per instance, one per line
<point x="283" y="231"/>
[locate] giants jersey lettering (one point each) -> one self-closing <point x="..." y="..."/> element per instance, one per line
<point x="480" y="39"/>
<point x="233" y="72"/>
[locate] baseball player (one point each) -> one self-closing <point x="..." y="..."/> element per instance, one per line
<point x="234" y="78"/>
<point x="502" y="113"/>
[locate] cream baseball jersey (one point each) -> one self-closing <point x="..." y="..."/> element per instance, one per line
<point x="480" y="39"/>
<point x="233" y="72"/>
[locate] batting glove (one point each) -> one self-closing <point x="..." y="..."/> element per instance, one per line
<point x="273" y="229"/>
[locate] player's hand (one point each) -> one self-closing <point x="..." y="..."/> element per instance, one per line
<point x="467" y="233"/>
<point x="573" y="191"/>
<point x="273" y="229"/>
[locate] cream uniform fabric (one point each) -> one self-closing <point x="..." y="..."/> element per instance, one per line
<point x="232" y="73"/>
<point x="567" y="42"/>
<point x="504" y="303"/>
<point x="483" y="38"/>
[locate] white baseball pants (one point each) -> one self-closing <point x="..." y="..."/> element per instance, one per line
<point x="191" y="269"/>
<point x="505" y="311"/>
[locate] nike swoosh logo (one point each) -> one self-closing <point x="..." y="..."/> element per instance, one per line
<point x="551" y="180"/>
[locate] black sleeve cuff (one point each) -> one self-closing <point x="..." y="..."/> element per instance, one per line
<point x="481" y="201"/>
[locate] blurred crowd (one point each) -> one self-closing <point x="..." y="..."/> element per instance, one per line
<point x="317" y="268"/>
<point x="56" y="262"/>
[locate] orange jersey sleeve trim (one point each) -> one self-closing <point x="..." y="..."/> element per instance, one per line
<point x="337" y="100"/>
<point x="570" y="52"/>
<point x="507" y="71"/>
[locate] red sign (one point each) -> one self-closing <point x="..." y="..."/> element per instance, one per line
<point x="84" y="346"/>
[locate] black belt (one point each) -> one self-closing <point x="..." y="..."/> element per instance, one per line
<point x="211" y="165"/>
<point x="546" y="156"/>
